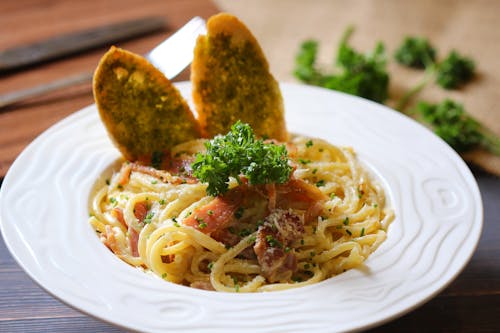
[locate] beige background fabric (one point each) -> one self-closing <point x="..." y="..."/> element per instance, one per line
<point x="470" y="27"/>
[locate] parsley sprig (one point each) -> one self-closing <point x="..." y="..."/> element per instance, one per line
<point x="240" y="153"/>
<point x="355" y="73"/>
<point x="451" y="73"/>
<point x="365" y="75"/>
<point x="449" y="120"/>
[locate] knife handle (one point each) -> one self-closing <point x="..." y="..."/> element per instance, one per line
<point x="40" y="90"/>
<point x="72" y="43"/>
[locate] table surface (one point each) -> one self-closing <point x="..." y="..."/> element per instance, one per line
<point x="470" y="304"/>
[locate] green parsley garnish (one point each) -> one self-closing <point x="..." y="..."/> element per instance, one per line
<point x="201" y="223"/>
<point x="454" y="71"/>
<point x="244" y="232"/>
<point x="320" y="183"/>
<point x="449" y="120"/>
<point x="273" y="242"/>
<point x="309" y="143"/>
<point x="239" y="212"/>
<point x="240" y="153"/>
<point x="415" y="52"/>
<point x="252" y="239"/>
<point x="149" y="217"/>
<point x="450" y="73"/>
<point x="346" y="221"/>
<point x="362" y="232"/>
<point x="358" y="74"/>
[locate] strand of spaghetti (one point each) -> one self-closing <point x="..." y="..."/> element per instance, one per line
<point x="318" y="275"/>
<point x="218" y="268"/>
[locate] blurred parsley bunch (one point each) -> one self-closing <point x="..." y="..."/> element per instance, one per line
<point x="366" y="75"/>
<point x="355" y="73"/>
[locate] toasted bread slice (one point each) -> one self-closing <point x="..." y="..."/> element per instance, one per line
<point x="231" y="81"/>
<point x="141" y="109"/>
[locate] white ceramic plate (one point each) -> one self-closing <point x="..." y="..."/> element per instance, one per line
<point x="44" y="200"/>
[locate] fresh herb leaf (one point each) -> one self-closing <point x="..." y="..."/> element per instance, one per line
<point x="320" y="183"/>
<point x="454" y="71"/>
<point x="240" y="153"/>
<point x="450" y="121"/>
<point x="358" y="74"/>
<point x="415" y="52"/>
<point x="149" y="218"/>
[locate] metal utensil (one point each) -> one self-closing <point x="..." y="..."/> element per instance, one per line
<point x="71" y="43"/>
<point x="171" y="57"/>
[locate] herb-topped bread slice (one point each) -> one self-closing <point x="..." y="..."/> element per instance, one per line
<point x="231" y="81"/>
<point x="142" y="111"/>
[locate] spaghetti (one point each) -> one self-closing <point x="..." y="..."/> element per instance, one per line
<point x="328" y="218"/>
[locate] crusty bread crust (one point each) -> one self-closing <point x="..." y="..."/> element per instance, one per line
<point x="141" y="109"/>
<point x="252" y="98"/>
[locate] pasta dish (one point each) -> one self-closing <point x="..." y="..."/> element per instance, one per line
<point x="326" y="218"/>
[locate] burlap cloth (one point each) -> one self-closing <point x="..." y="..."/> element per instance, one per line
<point x="471" y="27"/>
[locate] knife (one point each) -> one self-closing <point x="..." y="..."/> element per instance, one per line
<point x="171" y="56"/>
<point x="68" y="44"/>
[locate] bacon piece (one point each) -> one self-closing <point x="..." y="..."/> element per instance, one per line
<point x="297" y="194"/>
<point x="279" y="230"/>
<point x="141" y="210"/>
<point x="118" y="213"/>
<point x="133" y="235"/>
<point x="133" y="238"/>
<point x="110" y="240"/>
<point x="125" y="172"/>
<point x="178" y="166"/>
<point x="218" y="213"/>
<point x="174" y="170"/>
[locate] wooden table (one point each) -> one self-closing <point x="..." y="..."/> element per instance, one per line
<point x="470" y="304"/>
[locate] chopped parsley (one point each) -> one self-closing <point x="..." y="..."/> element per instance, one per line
<point x="320" y="183"/>
<point x="239" y="213"/>
<point x="252" y="239"/>
<point x="238" y="153"/>
<point x="148" y="218"/>
<point x="201" y="223"/>
<point x="273" y="242"/>
<point x="309" y="143"/>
